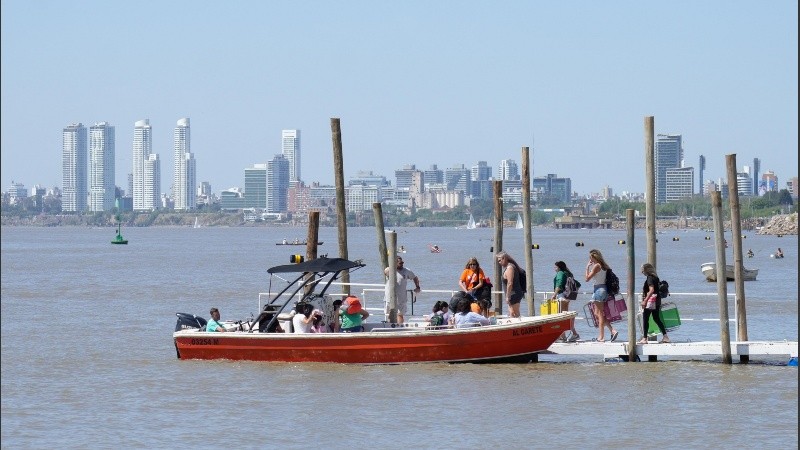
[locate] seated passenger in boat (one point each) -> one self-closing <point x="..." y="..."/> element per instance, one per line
<point x="213" y="323"/>
<point x="442" y="317"/>
<point x="465" y="318"/>
<point x="303" y="320"/>
<point x="336" y="324"/>
<point x="353" y="315"/>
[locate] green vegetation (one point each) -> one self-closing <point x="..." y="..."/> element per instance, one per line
<point x="749" y="207"/>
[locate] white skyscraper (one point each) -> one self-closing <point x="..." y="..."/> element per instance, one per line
<point x="508" y="170"/>
<point x="290" y="145"/>
<point x="73" y="158"/>
<point x="152" y="183"/>
<point x="102" y="181"/>
<point x="142" y="148"/>
<point x="183" y="179"/>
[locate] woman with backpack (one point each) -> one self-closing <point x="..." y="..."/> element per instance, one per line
<point x="514" y="288"/>
<point x="565" y="288"/>
<point x="596" y="270"/>
<point x="651" y="303"/>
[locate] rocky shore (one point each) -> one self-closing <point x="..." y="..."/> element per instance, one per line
<point x="780" y="225"/>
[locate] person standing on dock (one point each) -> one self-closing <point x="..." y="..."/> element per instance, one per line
<point x="651" y="303"/>
<point x="512" y="288"/>
<point x="401" y="288"/>
<point x="596" y="270"/>
<point x="559" y="290"/>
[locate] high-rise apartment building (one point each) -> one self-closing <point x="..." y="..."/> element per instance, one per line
<point x="668" y="155"/>
<point x="434" y="175"/>
<point x="755" y="177"/>
<point x="184" y="177"/>
<point x="458" y="178"/>
<point x="769" y="183"/>
<point x="102" y="182"/>
<point x="146" y="169"/>
<point x="679" y="183"/>
<point x="701" y="169"/>
<point x="744" y="183"/>
<point x="509" y="170"/>
<point x="255" y="186"/>
<point x="552" y="189"/>
<point x="290" y="146"/>
<point x="481" y="173"/>
<point x="151" y="185"/>
<point x="73" y="159"/>
<point x="277" y="184"/>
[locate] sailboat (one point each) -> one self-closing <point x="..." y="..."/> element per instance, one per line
<point x="519" y="224"/>
<point x="471" y="224"/>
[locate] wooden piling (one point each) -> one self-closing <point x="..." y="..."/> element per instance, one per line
<point x="738" y="254"/>
<point x="497" y="186"/>
<point x="377" y="211"/>
<point x="312" y="241"/>
<point x="650" y="189"/>
<point x="722" y="288"/>
<point x="630" y="226"/>
<point x="526" y="221"/>
<point x="341" y="207"/>
<point x="391" y="284"/>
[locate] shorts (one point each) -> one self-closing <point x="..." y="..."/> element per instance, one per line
<point x="560" y="296"/>
<point x="515" y="299"/>
<point x="600" y="293"/>
<point x="401" y="304"/>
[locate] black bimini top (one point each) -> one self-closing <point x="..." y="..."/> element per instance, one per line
<point x="316" y="265"/>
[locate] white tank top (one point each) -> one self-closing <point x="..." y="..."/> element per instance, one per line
<point x="600" y="277"/>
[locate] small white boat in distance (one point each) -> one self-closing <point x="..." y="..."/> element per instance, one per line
<point x="709" y="269"/>
<point x="471" y="225"/>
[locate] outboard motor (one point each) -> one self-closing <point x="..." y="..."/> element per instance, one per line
<point x="189" y="322"/>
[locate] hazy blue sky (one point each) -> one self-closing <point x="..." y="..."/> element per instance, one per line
<point x="413" y="82"/>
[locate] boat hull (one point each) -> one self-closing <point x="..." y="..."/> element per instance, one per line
<point x="511" y="340"/>
<point x="710" y="272"/>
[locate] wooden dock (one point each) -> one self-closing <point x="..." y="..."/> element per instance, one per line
<point x="677" y="350"/>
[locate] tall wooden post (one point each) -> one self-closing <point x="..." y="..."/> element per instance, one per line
<point x="391" y="283"/>
<point x="526" y="220"/>
<point x="650" y="189"/>
<point x="630" y="226"/>
<point x="498" y="245"/>
<point x="377" y="212"/>
<point x="722" y="283"/>
<point x="312" y="240"/>
<point x="341" y="207"/>
<point x="738" y="256"/>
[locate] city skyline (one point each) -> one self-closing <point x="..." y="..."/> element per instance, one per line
<point x="572" y="82"/>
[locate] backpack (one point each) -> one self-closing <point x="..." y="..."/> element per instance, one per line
<point x="663" y="289"/>
<point x="523" y="279"/>
<point x="571" y="288"/>
<point x="612" y="282"/>
<point x="437" y="320"/>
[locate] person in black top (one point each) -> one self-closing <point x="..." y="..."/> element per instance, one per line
<point x="651" y="303"/>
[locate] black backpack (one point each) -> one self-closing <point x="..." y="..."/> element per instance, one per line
<point x="663" y="289"/>
<point x="571" y="288"/>
<point x="523" y="279"/>
<point x="612" y="282"/>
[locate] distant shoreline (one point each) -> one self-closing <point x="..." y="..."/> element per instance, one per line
<point x="783" y="224"/>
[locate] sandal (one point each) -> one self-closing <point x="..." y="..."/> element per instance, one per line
<point x="665" y="341"/>
<point x="642" y="341"/>
<point x="614" y="335"/>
